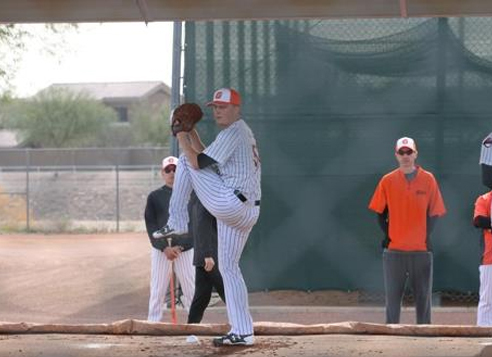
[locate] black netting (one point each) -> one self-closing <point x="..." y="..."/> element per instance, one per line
<point x="439" y="298"/>
<point x="327" y="101"/>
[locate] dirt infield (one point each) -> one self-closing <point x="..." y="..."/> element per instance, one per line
<point x="89" y="279"/>
<point x="105" y="278"/>
<point x="285" y="346"/>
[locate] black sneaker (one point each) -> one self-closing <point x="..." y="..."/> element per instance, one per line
<point x="232" y="339"/>
<point x="167" y="232"/>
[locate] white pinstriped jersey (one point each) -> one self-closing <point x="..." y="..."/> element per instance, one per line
<point x="236" y="153"/>
<point x="486" y="152"/>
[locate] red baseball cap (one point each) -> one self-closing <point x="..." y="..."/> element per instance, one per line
<point x="225" y="96"/>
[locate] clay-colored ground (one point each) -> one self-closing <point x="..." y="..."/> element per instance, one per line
<point x="104" y="278"/>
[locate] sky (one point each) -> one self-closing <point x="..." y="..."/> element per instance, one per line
<point x="98" y="53"/>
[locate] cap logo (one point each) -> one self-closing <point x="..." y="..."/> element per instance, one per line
<point x="405" y="141"/>
<point x="218" y="95"/>
<point x="487" y="142"/>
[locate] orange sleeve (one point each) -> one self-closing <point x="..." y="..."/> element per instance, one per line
<point x="436" y="203"/>
<point x="378" y="202"/>
<point x="482" y="207"/>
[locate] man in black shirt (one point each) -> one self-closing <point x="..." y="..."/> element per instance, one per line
<point x="163" y="256"/>
<point x="204" y="228"/>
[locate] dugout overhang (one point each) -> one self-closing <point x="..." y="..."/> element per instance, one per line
<point x="42" y="11"/>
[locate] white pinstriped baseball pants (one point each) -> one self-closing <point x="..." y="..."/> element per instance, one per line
<point x="160" y="276"/>
<point x="235" y="220"/>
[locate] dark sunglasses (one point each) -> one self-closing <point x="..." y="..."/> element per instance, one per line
<point x="402" y="152"/>
<point x="170" y="169"/>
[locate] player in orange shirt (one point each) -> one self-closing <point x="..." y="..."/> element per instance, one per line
<point x="407" y="201"/>
<point x="481" y="219"/>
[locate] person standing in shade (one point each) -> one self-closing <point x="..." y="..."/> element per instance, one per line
<point x="207" y="275"/>
<point x="407" y="202"/>
<point x="180" y="253"/>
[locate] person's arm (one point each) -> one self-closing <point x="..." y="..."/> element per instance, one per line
<point x="150" y="217"/>
<point x="383" y="221"/>
<point x="384" y="225"/>
<point x="431" y="223"/>
<point x="151" y="223"/>
<point x="172" y="252"/>
<point x="196" y="142"/>
<point x="205" y="231"/>
<point x="185" y="143"/>
<point x="190" y="143"/>
<point x="482" y="222"/>
<point x="487" y="175"/>
<point x="481" y="213"/>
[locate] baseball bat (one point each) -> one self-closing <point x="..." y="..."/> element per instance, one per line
<point x="174" y="318"/>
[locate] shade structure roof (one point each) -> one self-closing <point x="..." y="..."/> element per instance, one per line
<point x="41" y="11"/>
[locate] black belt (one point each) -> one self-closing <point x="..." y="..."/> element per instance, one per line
<point x="244" y="199"/>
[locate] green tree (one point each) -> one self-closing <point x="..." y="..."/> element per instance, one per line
<point x="5" y="101"/>
<point x="150" y="125"/>
<point x="60" y="118"/>
<point x="15" y="39"/>
<point x="11" y="46"/>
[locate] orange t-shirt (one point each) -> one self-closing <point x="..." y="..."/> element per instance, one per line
<point x="482" y="208"/>
<point x="409" y="204"/>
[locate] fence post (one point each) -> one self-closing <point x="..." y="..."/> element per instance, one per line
<point x="28" y="168"/>
<point x="117" y="197"/>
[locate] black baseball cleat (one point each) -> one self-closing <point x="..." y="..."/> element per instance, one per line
<point x="167" y="232"/>
<point x="233" y="339"/>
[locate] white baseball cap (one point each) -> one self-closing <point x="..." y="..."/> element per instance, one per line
<point x="405" y="142"/>
<point x="225" y="96"/>
<point x="170" y="160"/>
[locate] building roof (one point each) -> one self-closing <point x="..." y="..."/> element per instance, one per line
<point x="115" y="90"/>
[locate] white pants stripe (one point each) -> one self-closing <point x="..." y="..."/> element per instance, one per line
<point x="235" y="220"/>
<point x="486" y="153"/>
<point x="484" y="311"/>
<point x="160" y="276"/>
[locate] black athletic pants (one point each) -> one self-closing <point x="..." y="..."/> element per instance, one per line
<point x="204" y="283"/>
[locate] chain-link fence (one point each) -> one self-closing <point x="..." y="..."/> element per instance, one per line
<point x="77" y="189"/>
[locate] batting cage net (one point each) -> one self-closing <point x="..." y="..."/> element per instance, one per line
<point x="327" y="101"/>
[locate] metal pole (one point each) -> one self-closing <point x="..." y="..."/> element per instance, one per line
<point x="28" y="168"/>
<point x="117" y="197"/>
<point x="176" y="77"/>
